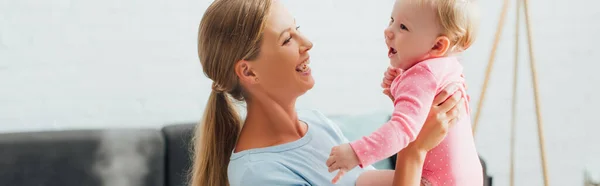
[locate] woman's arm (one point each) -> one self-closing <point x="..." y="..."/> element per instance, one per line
<point x="409" y="166"/>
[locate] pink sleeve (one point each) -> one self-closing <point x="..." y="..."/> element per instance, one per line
<point x="413" y="94"/>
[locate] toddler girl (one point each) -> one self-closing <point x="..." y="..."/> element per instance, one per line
<point x="423" y="38"/>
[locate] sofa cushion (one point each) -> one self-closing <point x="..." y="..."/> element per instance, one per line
<point x="82" y="157"/>
<point x="178" y="161"/>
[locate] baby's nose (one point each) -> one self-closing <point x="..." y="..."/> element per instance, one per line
<point x="388" y="34"/>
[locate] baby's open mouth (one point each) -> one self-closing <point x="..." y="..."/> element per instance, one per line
<point x="391" y="52"/>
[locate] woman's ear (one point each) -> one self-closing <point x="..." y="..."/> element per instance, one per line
<point x="243" y="70"/>
<point x="441" y="46"/>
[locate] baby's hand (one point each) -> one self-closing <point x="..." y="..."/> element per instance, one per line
<point x="342" y="158"/>
<point x="389" y="76"/>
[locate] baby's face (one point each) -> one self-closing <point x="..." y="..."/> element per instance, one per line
<point x="412" y="33"/>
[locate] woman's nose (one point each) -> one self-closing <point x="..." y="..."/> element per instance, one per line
<point x="305" y="44"/>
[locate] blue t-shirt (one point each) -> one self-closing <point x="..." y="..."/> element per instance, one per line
<point x="297" y="163"/>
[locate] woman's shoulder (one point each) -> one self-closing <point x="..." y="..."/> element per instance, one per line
<point x="264" y="172"/>
<point x="321" y="123"/>
<point x="310" y="114"/>
<point x="315" y="118"/>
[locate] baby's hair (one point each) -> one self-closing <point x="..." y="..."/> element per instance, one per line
<point x="459" y="21"/>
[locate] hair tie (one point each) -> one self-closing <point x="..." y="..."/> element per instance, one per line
<point x="216" y="88"/>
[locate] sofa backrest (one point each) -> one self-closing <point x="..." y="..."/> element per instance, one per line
<point x="178" y="140"/>
<point x="83" y="157"/>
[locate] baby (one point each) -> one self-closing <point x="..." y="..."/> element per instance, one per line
<point x="423" y="38"/>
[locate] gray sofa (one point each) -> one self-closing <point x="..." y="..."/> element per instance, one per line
<point x="111" y="157"/>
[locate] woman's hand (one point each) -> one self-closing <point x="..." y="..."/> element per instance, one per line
<point x="442" y="115"/>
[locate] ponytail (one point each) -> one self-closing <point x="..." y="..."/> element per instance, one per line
<point x="214" y="141"/>
<point x="230" y="31"/>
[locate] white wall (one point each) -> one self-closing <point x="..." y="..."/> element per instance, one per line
<point x="86" y="64"/>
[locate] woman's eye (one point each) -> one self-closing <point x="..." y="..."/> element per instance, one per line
<point x="287" y="40"/>
<point x="290" y="38"/>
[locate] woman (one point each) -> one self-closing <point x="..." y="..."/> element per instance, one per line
<point x="253" y="52"/>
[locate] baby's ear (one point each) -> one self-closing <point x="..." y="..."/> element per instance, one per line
<point x="441" y="46"/>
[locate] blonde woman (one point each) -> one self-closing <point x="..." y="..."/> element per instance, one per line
<point x="253" y="51"/>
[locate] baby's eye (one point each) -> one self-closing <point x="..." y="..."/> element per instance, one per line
<point x="403" y="27"/>
<point x="391" y="20"/>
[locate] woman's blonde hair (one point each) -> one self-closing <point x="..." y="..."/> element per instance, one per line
<point x="459" y="21"/>
<point x="230" y="31"/>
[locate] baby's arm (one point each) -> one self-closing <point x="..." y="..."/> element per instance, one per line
<point x="413" y="94"/>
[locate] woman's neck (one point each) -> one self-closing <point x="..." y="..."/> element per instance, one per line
<point x="270" y="123"/>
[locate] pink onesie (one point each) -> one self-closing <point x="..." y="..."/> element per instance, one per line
<point x="455" y="160"/>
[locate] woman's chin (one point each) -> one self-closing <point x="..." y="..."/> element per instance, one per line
<point x="311" y="83"/>
<point x="306" y="78"/>
<point x="306" y="83"/>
